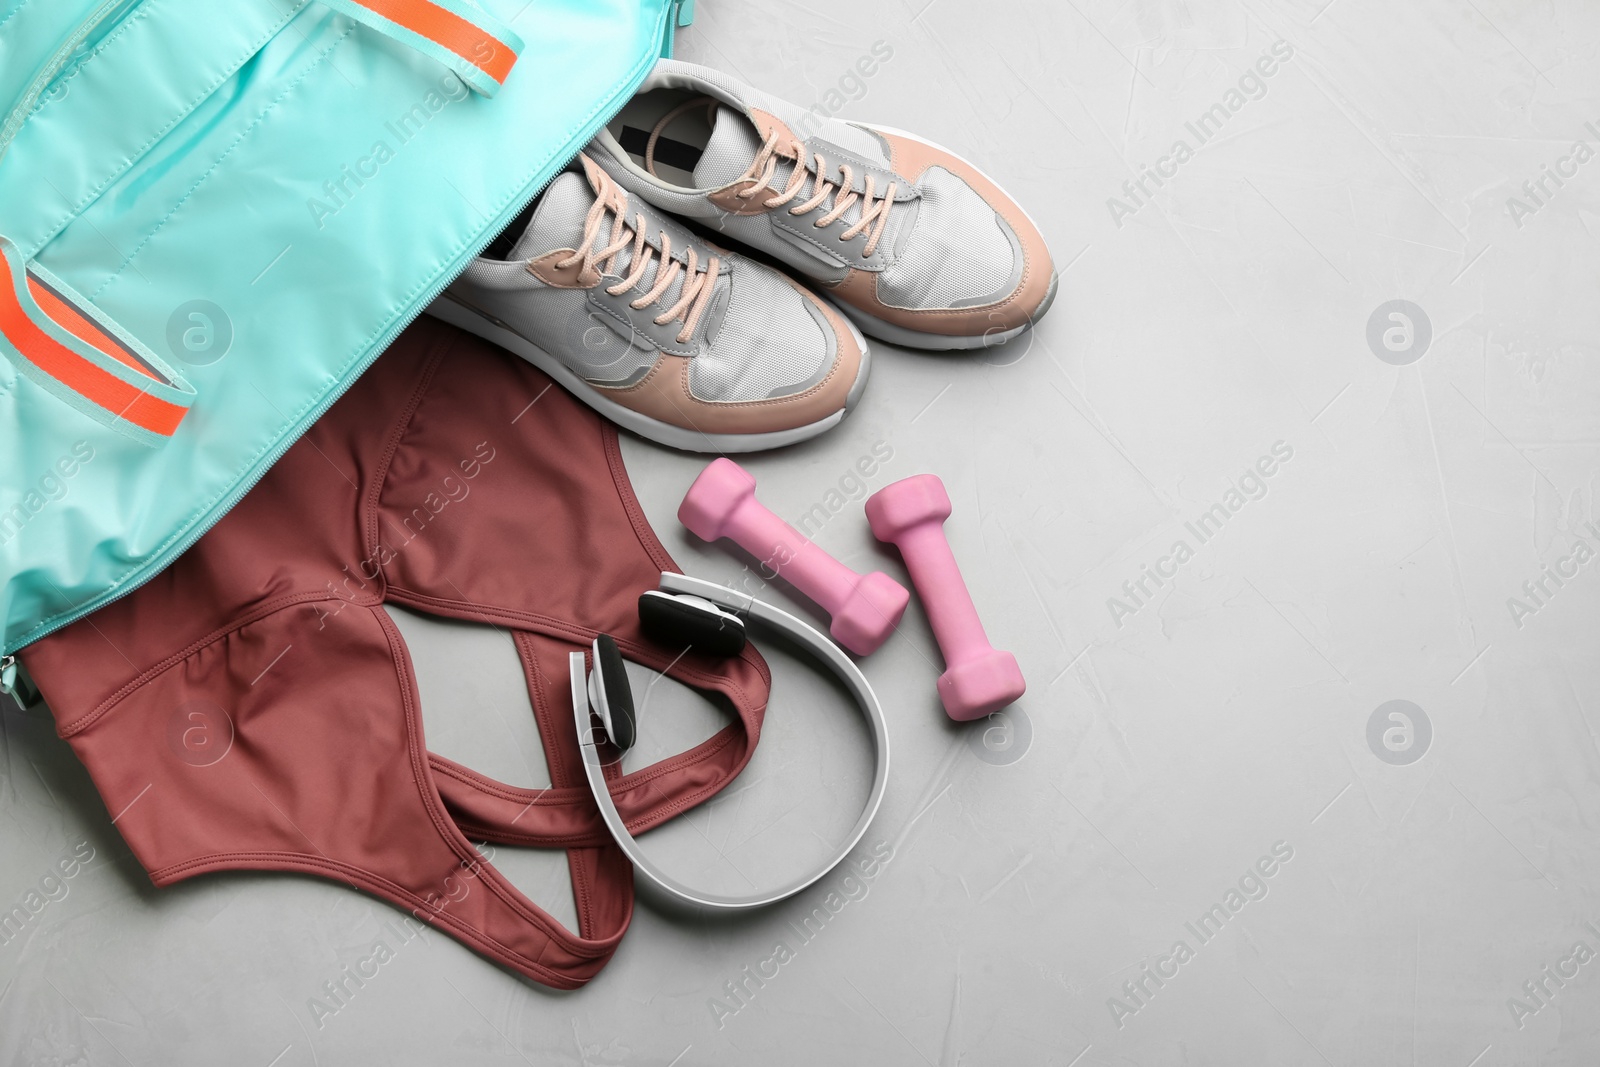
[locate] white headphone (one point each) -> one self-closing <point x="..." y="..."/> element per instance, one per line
<point x="712" y="618"/>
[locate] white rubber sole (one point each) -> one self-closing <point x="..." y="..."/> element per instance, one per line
<point x="899" y="335"/>
<point x="458" y="314"/>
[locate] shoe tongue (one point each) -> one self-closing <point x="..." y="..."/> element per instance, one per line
<point x="558" y="223"/>
<point x="733" y="147"/>
<point x="730" y="151"/>
<point x="558" y="220"/>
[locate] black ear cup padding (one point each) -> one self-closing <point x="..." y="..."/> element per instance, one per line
<point x="676" y="620"/>
<point x="619" y="694"/>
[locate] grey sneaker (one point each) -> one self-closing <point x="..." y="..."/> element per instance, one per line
<point x="663" y="333"/>
<point x="917" y="245"/>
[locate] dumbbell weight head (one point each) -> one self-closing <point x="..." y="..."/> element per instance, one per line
<point x="975" y="687"/>
<point x="716" y="494"/>
<point x="906" y="505"/>
<point x="867" y="618"/>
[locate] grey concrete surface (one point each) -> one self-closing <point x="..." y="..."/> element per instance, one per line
<point x="1207" y="835"/>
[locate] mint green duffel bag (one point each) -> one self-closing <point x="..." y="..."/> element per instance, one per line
<point x="215" y="215"/>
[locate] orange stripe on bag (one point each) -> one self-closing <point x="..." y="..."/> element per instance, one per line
<point x="450" y="31"/>
<point x="70" y="318"/>
<point x="94" y="383"/>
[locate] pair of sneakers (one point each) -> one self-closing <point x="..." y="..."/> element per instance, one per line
<point x="698" y="347"/>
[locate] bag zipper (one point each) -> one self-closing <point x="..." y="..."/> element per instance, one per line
<point x="670" y="13"/>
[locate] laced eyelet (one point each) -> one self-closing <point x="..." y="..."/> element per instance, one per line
<point x="874" y="206"/>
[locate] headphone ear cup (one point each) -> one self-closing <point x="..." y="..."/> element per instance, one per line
<point x="611" y="695"/>
<point x="680" y="619"/>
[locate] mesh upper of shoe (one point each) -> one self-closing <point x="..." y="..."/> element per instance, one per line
<point x="760" y="341"/>
<point x="770" y="344"/>
<point x="560" y="321"/>
<point x="957" y="253"/>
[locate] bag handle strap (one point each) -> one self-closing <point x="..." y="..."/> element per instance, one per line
<point x="477" y="46"/>
<point x="65" y="344"/>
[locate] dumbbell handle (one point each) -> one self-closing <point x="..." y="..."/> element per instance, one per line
<point x="978" y="678"/>
<point x="944" y="594"/>
<point x="781" y="548"/>
<point x="865" y="607"/>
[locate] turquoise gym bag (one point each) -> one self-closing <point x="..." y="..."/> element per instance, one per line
<point x="214" y="215"/>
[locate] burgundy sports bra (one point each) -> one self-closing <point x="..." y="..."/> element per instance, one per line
<point x="253" y="706"/>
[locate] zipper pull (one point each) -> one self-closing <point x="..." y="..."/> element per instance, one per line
<point x="16" y="684"/>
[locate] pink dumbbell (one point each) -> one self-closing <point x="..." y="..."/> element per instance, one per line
<point x="865" y="607"/>
<point x="978" y="678"/>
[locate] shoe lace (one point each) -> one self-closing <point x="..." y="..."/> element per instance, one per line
<point x="874" y="209"/>
<point x="874" y="212"/>
<point x="699" y="279"/>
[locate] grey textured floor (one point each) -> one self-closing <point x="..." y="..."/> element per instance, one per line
<point x="1433" y="865"/>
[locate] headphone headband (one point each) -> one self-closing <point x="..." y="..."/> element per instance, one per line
<point x="821" y="649"/>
